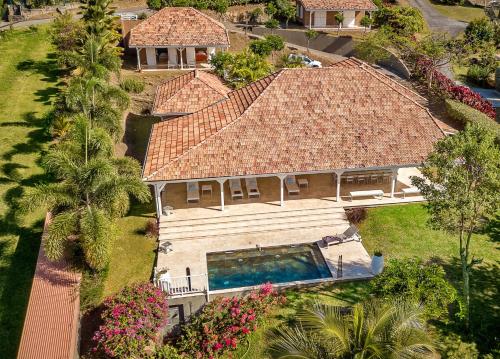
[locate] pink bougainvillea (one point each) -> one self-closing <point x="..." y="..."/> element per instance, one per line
<point x="448" y="88"/>
<point x="224" y="322"/>
<point x="131" y="321"/>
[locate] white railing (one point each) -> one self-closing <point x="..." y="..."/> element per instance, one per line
<point x="184" y="285"/>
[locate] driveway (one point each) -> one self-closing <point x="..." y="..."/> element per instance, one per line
<point x="436" y="20"/>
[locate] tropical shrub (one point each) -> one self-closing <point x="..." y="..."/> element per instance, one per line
<point x="260" y="47"/>
<point x="466" y="114"/>
<point x="447" y="88"/>
<point x="152" y="229"/>
<point x="403" y="20"/>
<point x="133" y="319"/>
<point x="356" y="215"/>
<point x="416" y="281"/>
<point x="167" y="352"/>
<point x="224" y="322"/>
<point x="132" y="85"/>
<point x="479" y="31"/>
<point x="478" y="74"/>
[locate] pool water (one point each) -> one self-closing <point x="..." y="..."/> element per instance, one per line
<point x="251" y="267"/>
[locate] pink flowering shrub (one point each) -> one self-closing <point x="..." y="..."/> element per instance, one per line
<point x="447" y="88"/>
<point x="224" y="322"/>
<point x="132" y="320"/>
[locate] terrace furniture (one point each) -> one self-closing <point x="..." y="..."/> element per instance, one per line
<point x="193" y="192"/>
<point x="303" y="182"/>
<point x="236" y="190"/>
<point x="350" y="234"/>
<point x="362" y="179"/>
<point x="377" y="193"/>
<point x="168" y="210"/>
<point x="252" y="188"/>
<point x="291" y="185"/>
<point x="410" y="190"/>
<point x="386" y="177"/>
<point x="375" y="178"/>
<point x="206" y="188"/>
<point x="349" y="179"/>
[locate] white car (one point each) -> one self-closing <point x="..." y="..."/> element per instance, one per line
<point x="306" y="60"/>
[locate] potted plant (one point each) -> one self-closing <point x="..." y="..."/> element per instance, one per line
<point x="377" y="262"/>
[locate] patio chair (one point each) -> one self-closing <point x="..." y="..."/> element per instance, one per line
<point x="291" y="185"/>
<point x="350" y="234"/>
<point x="236" y="190"/>
<point x="252" y="188"/>
<point x="193" y="192"/>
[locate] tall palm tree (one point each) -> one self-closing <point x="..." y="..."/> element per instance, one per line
<point x="96" y="57"/>
<point x="375" y="330"/>
<point x="98" y="16"/>
<point x="93" y="189"/>
<point x="100" y="102"/>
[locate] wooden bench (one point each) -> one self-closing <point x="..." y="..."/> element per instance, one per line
<point x="377" y="193"/>
<point x="410" y="190"/>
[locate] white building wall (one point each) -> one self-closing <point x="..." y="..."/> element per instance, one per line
<point x="172" y="57"/>
<point x="190" y="56"/>
<point x="151" y="56"/>
<point x="349" y="19"/>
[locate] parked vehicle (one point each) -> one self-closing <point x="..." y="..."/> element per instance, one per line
<point x="308" y="62"/>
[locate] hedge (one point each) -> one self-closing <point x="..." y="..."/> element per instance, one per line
<point x="466" y="114"/>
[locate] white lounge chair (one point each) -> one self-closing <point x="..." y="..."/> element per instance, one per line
<point x="291" y="185"/>
<point x="252" y="188"/>
<point x="236" y="190"/>
<point x="193" y="192"/>
<point x="350" y="234"/>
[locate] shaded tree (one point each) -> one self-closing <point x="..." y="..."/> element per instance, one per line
<point x="310" y="34"/>
<point x="461" y="183"/>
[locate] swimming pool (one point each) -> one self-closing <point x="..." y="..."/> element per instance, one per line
<point x="249" y="267"/>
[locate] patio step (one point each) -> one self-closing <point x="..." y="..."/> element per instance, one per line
<point x="252" y="223"/>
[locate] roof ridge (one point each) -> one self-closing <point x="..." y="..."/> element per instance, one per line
<point x="391" y="81"/>
<point x="210" y="85"/>
<point x="170" y="80"/>
<point x="276" y="74"/>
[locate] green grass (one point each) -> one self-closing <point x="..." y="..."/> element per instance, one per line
<point x="28" y="84"/>
<point x="460" y="13"/>
<point x="402" y="231"/>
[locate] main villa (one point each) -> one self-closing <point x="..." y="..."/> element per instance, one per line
<point x="269" y="168"/>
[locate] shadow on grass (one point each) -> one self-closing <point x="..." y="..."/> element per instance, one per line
<point x="485" y="302"/>
<point x="136" y="137"/>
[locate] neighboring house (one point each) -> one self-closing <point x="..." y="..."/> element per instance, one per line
<point x="188" y="93"/>
<point x="176" y="37"/>
<point x="321" y="13"/>
<point x="348" y="118"/>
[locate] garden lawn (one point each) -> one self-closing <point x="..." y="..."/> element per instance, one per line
<point x="460" y="13"/>
<point x="401" y="231"/>
<point x="28" y="84"/>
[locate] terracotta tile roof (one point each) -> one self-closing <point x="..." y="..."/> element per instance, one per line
<point x="188" y="93"/>
<point x="179" y="26"/>
<point x="51" y="324"/>
<point x="338" y="4"/>
<point x="297" y="120"/>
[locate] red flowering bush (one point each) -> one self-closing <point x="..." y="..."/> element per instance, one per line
<point x="224" y="322"/>
<point x="132" y="320"/>
<point x="447" y="88"/>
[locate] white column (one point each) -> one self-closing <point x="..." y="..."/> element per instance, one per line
<point x="339" y="178"/>
<point x="181" y="57"/>
<point x="151" y="56"/>
<point x="172" y="57"/>
<point x="190" y="56"/>
<point x="158" y="188"/>
<point x="394" y="181"/>
<point x="221" y="184"/>
<point x="310" y="19"/>
<point x="282" y="190"/>
<point x="137" y="50"/>
<point x="210" y="52"/>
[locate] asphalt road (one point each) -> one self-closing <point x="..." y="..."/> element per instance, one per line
<point x="436" y="20"/>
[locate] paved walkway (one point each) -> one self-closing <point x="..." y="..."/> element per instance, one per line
<point x="438" y="21"/>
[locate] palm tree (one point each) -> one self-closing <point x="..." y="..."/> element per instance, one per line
<point x="96" y="57"/>
<point x="93" y="189"/>
<point x="98" y="17"/>
<point x="374" y="329"/>
<point x="100" y="102"/>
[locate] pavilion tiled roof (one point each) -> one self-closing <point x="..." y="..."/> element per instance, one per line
<point x="52" y="318"/>
<point x="179" y="26"/>
<point x="338" y="4"/>
<point x="188" y="93"/>
<point x="297" y="120"/>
